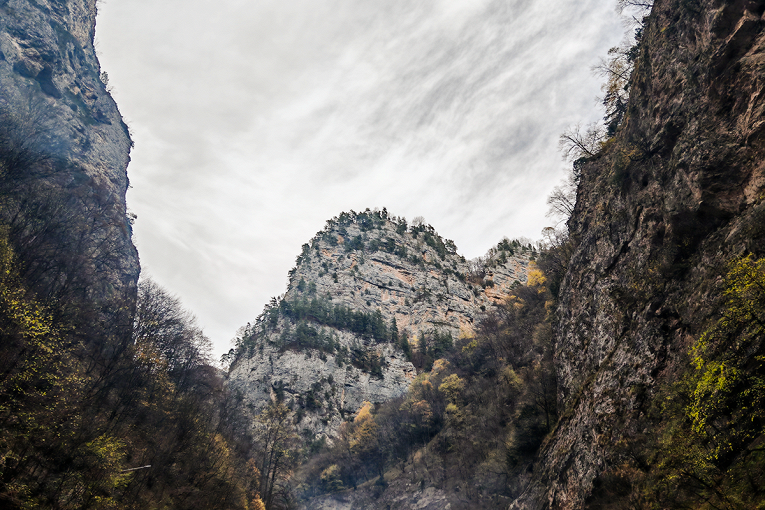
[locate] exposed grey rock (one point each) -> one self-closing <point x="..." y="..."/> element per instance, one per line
<point x="367" y="263"/>
<point x="419" y="288"/>
<point x="51" y="91"/>
<point x="397" y="495"/>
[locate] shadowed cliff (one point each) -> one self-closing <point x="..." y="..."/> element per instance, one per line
<point x="662" y="211"/>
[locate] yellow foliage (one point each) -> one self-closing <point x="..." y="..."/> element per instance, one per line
<point x="452" y="387"/>
<point x="363" y="435"/>
<point x="727" y="382"/>
<point x="331" y="479"/>
<point x="364" y="413"/>
<point x="257" y="503"/>
<point x="536" y="278"/>
<point x="107" y="453"/>
<point x="511" y="378"/>
<point x="24" y="316"/>
<point x="439" y="366"/>
<point x="422" y="411"/>
<point x="470" y="346"/>
<point x="40" y="371"/>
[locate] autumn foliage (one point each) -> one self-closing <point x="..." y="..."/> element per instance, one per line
<point x="472" y="422"/>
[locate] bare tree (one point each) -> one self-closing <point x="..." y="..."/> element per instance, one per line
<point x="617" y="69"/>
<point x="165" y="331"/>
<point x="577" y="142"/>
<point x="277" y="442"/>
<point x="558" y="249"/>
<point x="617" y="66"/>
<point x="22" y="141"/>
<point x="562" y="199"/>
<point x="477" y="269"/>
<point x="643" y="5"/>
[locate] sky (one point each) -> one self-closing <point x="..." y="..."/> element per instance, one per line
<point x="255" y="122"/>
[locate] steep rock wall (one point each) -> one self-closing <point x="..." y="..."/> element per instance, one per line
<point x="675" y="196"/>
<point x="54" y="103"/>
<point x="312" y="348"/>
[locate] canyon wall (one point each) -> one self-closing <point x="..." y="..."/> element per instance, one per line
<point x="65" y="152"/>
<point x="660" y="211"/>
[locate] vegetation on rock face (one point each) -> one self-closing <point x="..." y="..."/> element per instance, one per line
<point x="647" y="421"/>
<point x="659" y="347"/>
<point x="728" y="382"/>
<point x="369" y="221"/>
<point x="303" y="331"/>
<point x="580" y="144"/>
<point x="73" y="425"/>
<point x="337" y="333"/>
<point x="372" y="294"/>
<point x="705" y="446"/>
<point x="473" y="422"/>
<point x="321" y="311"/>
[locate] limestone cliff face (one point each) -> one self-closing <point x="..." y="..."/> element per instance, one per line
<point x="53" y="100"/>
<point x="675" y="196"/>
<point x="365" y="290"/>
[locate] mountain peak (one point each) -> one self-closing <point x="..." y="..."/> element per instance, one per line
<point x="371" y="300"/>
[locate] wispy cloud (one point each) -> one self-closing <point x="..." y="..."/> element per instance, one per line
<point x="255" y="122"/>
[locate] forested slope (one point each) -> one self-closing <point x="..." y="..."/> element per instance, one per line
<point x="370" y="301"/>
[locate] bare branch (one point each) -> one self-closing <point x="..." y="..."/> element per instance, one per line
<point x="562" y="201"/>
<point x="642" y="5"/>
<point x="577" y="142"/>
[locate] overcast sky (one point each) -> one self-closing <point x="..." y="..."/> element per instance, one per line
<point x="256" y="121"/>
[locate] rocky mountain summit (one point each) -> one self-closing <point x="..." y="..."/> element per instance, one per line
<point x="370" y="300"/>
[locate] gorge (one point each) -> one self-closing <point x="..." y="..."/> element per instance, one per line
<point x="617" y="363"/>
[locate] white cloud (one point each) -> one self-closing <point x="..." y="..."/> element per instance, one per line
<point x="255" y="122"/>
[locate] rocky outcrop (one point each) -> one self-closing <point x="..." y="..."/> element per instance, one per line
<point x="369" y="295"/>
<point x="660" y="211"/>
<point x="397" y="494"/>
<point x="368" y="262"/>
<point x="53" y="103"/>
